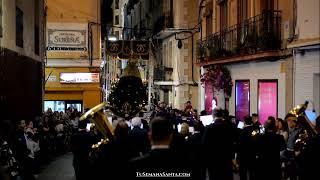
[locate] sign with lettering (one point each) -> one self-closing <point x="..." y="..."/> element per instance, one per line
<point x="66" y="37"/>
<point x="52" y="78"/>
<point x="79" y="77"/>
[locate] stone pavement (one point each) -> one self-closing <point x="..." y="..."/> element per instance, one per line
<point x="59" y="169"/>
<point x="62" y="169"/>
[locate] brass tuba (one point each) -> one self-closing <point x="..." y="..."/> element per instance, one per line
<point x="307" y="128"/>
<point x="101" y="122"/>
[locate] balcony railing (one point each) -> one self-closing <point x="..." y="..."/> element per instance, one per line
<point x="256" y="34"/>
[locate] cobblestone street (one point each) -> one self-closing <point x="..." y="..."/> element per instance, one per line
<point x="59" y="169"/>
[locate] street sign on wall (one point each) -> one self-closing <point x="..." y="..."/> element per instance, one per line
<point x="67" y="37"/>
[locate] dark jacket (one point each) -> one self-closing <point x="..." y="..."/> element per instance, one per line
<point x="195" y="151"/>
<point x="269" y="147"/>
<point x="81" y="143"/>
<point x="247" y="147"/>
<point x="139" y="138"/>
<point x="159" y="161"/>
<point x="219" y="146"/>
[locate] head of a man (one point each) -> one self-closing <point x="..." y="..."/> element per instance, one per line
<point x="270" y="124"/>
<point x="255" y="118"/>
<point x="161" y="131"/>
<point x="292" y="121"/>
<point x="22" y="124"/>
<point x="136" y="122"/>
<point x="248" y="120"/>
<point x="218" y="113"/>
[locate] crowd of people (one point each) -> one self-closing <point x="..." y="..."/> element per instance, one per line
<point x="27" y="146"/>
<point x="167" y="142"/>
<point x="175" y="143"/>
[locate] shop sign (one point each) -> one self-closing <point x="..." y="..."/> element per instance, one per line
<point x="66" y="37"/>
<point x="79" y="77"/>
<point x="52" y="78"/>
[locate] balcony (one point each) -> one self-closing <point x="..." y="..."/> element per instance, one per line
<point x="162" y="23"/>
<point x="255" y="38"/>
<point x="162" y="73"/>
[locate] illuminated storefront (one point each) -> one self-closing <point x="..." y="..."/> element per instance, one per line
<point x="71" y="87"/>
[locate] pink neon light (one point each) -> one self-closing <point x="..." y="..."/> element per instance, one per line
<point x="267" y="104"/>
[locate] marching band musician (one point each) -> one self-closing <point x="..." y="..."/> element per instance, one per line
<point x="310" y="156"/>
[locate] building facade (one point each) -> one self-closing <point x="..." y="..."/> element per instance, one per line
<point x="21" y="58"/>
<point x="306" y="54"/>
<point x="250" y="38"/>
<point x="73" y="54"/>
<point x="172" y="74"/>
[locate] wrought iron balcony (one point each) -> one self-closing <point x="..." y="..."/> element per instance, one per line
<point x="257" y="34"/>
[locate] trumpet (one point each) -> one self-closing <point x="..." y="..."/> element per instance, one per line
<point x="97" y="116"/>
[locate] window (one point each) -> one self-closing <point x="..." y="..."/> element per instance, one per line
<point x="223" y="15"/>
<point x="242" y="99"/>
<point x="165" y="55"/>
<point x="266" y="5"/>
<point x="36" y="27"/>
<point x="0" y="18"/>
<point x="116" y="20"/>
<point x="242" y="11"/>
<point x="116" y="4"/>
<point x="267" y="99"/>
<point x="170" y="55"/>
<point x="19" y="27"/>
<point x="208" y="14"/>
<point x="117" y="34"/>
<point x="209" y="25"/>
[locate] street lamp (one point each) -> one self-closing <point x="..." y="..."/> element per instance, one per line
<point x="112" y="37"/>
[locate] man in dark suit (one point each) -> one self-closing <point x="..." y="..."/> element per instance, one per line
<point x="269" y="146"/>
<point x="195" y="151"/>
<point x="256" y="123"/>
<point x="139" y="136"/>
<point x="246" y="151"/>
<point x="81" y="143"/>
<point x="218" y="141"/>
<point x="161" y="160"/>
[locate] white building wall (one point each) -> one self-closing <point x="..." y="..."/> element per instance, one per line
<point x="307" y="68"/>
<point x="308" y="19"/>
<point x="255" y="71"/>
<point x="9" y="27"/>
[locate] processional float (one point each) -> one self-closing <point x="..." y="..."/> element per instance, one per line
<point x="128" y="95"/>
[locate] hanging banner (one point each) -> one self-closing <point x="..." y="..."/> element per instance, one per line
<point x="140" y="47"/>
<point x="129" y="49"/>
<point x="114" y="47"/>
<point x="126" y="51"/>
